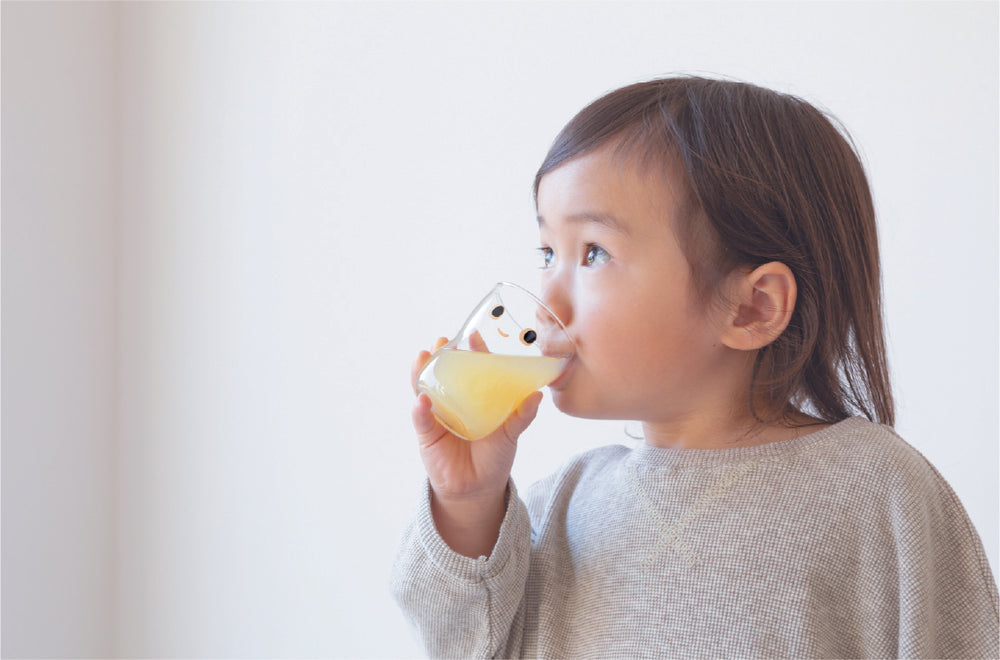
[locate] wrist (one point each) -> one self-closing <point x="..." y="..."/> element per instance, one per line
<point x="482" y="497"/>
<point x="469" y="524"/>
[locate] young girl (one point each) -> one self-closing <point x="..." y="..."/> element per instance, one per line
<point x="711" y="247"/>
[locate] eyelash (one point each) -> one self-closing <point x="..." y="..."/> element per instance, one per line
<point x="591" y="255"/>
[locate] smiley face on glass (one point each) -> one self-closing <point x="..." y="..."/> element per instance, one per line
<point x="512" y="321"/>
<point x="510" y="345"/>
<point x="504" y="320"/>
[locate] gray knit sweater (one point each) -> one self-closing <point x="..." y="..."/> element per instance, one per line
<point x="842" y="543"/>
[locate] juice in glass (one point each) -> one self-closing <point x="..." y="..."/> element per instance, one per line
<point x="473" y="392"/>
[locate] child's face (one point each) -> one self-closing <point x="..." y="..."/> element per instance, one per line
<point x="646" y="348"/>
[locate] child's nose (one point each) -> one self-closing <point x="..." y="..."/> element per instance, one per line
<point x="556" y="298"/>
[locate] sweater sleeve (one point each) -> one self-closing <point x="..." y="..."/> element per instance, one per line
<point x="947" y="593"/>
<point x="460" y="606"/>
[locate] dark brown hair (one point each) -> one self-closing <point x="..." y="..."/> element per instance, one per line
<point x="768" y="177"/>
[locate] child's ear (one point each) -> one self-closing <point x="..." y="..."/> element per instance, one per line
<point x="762" y="304"/>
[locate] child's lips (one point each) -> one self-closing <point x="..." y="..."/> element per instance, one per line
<point x="563" y="376"/>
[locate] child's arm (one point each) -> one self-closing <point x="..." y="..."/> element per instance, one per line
<point x="461" y="570"/>
<point x="468" y="479"/>
<point x="463" y="607"/>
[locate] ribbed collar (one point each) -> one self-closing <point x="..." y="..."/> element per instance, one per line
<point x="644" y="455"/>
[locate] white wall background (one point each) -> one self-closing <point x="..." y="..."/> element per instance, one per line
<point x="228" y="228"/>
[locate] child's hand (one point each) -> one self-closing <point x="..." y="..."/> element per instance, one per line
<point x="469" y="479"/>
<point x="457" y="468"/>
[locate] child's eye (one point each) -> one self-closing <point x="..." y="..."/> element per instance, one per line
<point x="596" y="255"/>
<point x="547" y="256"/>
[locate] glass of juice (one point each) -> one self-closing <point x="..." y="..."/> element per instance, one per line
<point x="510" y="346"/>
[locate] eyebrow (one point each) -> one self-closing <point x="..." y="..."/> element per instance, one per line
<point x="604" y="219"/>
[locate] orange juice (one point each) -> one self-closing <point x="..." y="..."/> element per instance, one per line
<point x="474" y="392"/>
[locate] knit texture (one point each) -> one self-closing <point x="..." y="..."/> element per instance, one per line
<point x="842" y="543"/>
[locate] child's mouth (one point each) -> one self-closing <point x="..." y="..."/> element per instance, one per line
<point x="561" y="379"/>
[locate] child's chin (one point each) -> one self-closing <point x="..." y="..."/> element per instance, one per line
<point x="573" y="406"/>
<point x="562" y="401"/>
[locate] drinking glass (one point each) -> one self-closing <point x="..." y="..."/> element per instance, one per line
<point x="510" y="346"/>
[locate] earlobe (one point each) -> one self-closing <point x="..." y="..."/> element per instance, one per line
<point x="763" y="303"/>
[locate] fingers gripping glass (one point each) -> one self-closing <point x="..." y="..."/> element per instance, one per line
<point x="510" y="346"/>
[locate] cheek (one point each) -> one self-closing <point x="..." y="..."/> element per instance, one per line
<point x="645" y="334"/>
<point x="619" y="337"/>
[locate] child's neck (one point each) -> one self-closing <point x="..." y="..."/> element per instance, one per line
<point x="722" y="433"/>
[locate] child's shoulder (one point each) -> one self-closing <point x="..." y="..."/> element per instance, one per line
<point x="591" y="463"/>
<point x="875" y="446"/>
<point x="875" y="459"/>
<point x="591" y="466"/>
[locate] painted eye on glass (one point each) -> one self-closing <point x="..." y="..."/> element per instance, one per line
<point x="497" y="311"/>
<point x="528" y="337"/>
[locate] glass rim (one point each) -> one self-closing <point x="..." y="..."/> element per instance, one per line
<point x="533" y="297"/>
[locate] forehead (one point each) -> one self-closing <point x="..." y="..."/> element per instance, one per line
<point x="609" y="188"/>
